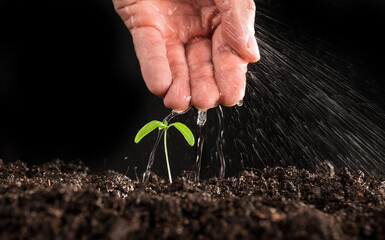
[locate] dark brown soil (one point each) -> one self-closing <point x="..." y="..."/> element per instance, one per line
<point x="60" y="200"/>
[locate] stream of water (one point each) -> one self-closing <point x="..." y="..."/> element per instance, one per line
<point x="304" y="104"/>
<point x="198" y="160"/>
<point x="219" y="142"/>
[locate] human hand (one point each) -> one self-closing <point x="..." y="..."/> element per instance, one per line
<point x="193" y="52"/>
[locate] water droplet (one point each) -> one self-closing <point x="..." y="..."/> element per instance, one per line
<point x="176" y="113"/>
<point x="240" y="103"/>
<point x="202" y="117"/>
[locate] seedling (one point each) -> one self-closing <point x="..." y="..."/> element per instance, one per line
<point x="151" y="126"/>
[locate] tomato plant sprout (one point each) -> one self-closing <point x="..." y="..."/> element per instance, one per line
<point x="183" y="129"/>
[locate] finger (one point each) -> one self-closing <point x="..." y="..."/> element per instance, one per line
<point x="204" y="91"/>
<point x="178" y="96"/>
<point x="230" y="71"/>
<point x="151" y="52"/>
<point x="238" y="19"/>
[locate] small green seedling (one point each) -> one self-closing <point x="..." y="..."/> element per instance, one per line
<point x="183" y="129"/>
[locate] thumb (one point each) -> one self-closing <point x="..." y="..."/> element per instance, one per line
<point x="238" y="17"/>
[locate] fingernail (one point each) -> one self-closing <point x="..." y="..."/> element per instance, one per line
<point x="252" y="47"/>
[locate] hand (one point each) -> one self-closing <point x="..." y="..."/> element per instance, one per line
<point x="193" y="50"/>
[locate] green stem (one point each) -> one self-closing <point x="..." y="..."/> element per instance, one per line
<point x="165" y="151"/>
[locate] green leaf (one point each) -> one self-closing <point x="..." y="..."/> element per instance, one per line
<point x="146" y="129"/>
<point x="186" y="132"/>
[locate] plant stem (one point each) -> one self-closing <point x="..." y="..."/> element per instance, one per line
<point x="165" y="151"/>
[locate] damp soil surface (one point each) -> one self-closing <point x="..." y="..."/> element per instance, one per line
<point x="59" y="200"/>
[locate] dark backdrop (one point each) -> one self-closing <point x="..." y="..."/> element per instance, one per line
<point x="71" y="88"/>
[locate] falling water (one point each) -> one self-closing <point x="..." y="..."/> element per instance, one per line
<point x="219" y="144"/>
<point x="304" y="104"/>
<point x="240" y="103"/>
<point x="198" y="160"/>
<point x="201" y="120"/>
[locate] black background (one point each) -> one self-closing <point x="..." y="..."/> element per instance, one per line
<point x="71" y="87"/>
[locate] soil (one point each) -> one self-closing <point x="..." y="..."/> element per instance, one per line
<point x="59" y="200"/>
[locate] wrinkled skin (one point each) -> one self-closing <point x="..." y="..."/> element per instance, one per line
<point x="193" y="52"/>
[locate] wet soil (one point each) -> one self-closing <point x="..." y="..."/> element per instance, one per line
<point x="60" y="200"/>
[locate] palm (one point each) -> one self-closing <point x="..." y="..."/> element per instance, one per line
<point x="189" y="50"/>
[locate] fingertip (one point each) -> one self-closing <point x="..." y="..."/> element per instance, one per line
<point x="229" y="99"/>
<point x="158" y="90"/>
<point x="232" y="86"/>
<point x="206" y="97"/>
<point x="178" y="96"/>
<point x="248" y="51"/>
<point x="252" y="50"/>
<point x="177" y="105"/>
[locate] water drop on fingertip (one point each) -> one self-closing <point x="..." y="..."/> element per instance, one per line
<point x="240" y="103"/>
<point x="176" y="112"/>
